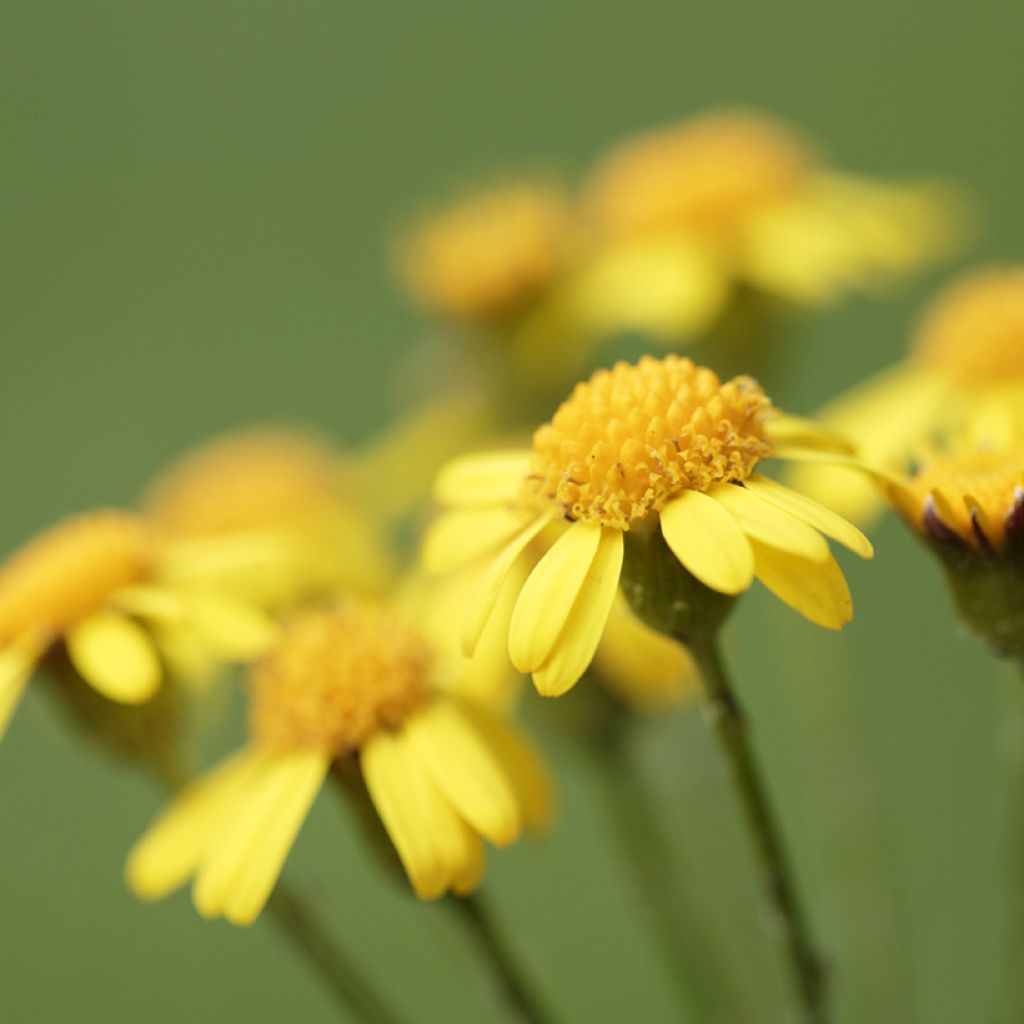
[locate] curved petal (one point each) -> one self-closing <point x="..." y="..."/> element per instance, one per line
<point x="115" y="656"/>
<point x="784" y="429"/>
<point x="491" y="478"/>
<point x="229" y="627"/>
<point x="817" y="590"/>
<point x="708" y="541"/>
<point x="821" y="518"/>
<point x="16" y="664"/>
<point x="458" y="537"/>
<point x="584" y="628"/>
<point x="548" y="595"/>
<point x="770" y="524"/>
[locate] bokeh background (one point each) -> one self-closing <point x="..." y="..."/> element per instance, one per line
<point x="194" y="214"/>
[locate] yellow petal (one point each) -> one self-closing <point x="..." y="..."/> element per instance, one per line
<point x="115" y="656"/>
<point x="770" y="524"/>
<point x="462" y="535"/>
<point x="817" y="590"/>
<point x="493" y="478"/>
<point x="821" y="518"/>
<point x="466" y="770"/>
<point x="241" y="866"/>
<point x="575" y="647"/>
<point x="491" y="582"/>
<point x="803" y="433"/>
<point x="229" y="627"/>
<point x="708" y="541"/>
<point x="548" y="595"/>
<point x="16" y="664"/>
<point x="171" y="849"/>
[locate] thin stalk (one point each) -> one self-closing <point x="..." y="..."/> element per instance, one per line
<point x="296" y="921"/>
<point x="521" y="998"/>
<point x="731" y="728"/>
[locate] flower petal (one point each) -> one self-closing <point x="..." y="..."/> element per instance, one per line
<point x="16" y="664"/>
<point x="462" y="535"/>
<point x="821" y="518"/>
<point x="584" y="628"/>
<point x="115" y="656"/>
<point x="548" y="595"/>
<point x="491" y="478"/>
<point x="708" y="541"/>
<point x="770" y="524"/>
<point x="229" y="627"/>
<point x="817" y="590"/>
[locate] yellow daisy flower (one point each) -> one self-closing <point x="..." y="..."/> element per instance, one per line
<point x="686" y="213"/>
<point x="660" y="446"/>
<point x="966" y="361"/>
<point x="266" y="510"/>
<point x="348" y="684"/>
<point x="491" y="254"/>
<point x="95" y="583"/>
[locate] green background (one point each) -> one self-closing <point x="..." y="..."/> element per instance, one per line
<point x="194" y="208"/>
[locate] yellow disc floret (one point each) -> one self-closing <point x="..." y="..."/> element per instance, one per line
<point x="489" y="254"/>
<point x="706" y="173"/>
<point x="633" y="437"/>
<point x="974" y="331"/>
<point x="337" y="676"/>
<point x="71" y="571"/>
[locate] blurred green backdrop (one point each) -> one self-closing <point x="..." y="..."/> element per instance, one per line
<point x="195" y="204"/>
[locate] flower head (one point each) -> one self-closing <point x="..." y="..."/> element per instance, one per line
<point x="95" y="584"/>
<point x="662" y="448"/>
<point x="351" y="683"/>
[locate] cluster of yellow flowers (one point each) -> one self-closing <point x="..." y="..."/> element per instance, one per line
<point x="613" y="543"/>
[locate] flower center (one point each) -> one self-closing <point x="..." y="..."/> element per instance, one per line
<point x="706" y="173"/>
<point x="633" y="437"/>
<point x="69" y="572"/>
<point x="992" y="481"/>
<point x="491" y="253"/>
<point x="337" y="676"/>
<point x="974" y="331"/>
<point x="250" y="481"/>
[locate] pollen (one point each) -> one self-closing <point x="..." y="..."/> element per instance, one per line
<point x="70" y="571"/>
<point x="491" y="253"/>
<point x="978" y="495"/>
<point x="974" y="331"/>
<point x="633" y="437"/>
<point x="252" y="480"/>
<point x="337" y="676"/>
<point x="706" y="173"/>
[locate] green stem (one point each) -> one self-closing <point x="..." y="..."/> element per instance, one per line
<point x="297" y="922"/>
<point x="731" y="728"/>
<point x="521" y="998"/>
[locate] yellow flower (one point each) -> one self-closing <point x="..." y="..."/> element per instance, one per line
<point x="352" y="683"/>
<point x="686" y="213"/>
<point x="491" y="254"/>
<point x="966" y="362"/>
<point x="660" y="446"/>
<point x="266" y="510"/>
<point x="95" y="583"/>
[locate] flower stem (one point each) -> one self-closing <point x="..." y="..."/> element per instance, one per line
<point x="297" y="922"/>
<point x="521" y="998"/>
<point x="731" y="728"/>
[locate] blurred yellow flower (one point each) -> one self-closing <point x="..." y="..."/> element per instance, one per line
<point x="966" y="364"/>
<point x="96" y="584"/>
<point x="348" y="681"/>
<point x="685" y="214"/>
<point x="663" y="445"/>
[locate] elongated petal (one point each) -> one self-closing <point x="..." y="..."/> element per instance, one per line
<point x="574" y="649"/>
<point x="493" y="478"/>
<point x="172" y="848"/>
<point x="229" y="627"/>
<point x="491" y="582"/>
<point x="821" y="518"/>
<point x="16" y="664"/>
<point x="467" y="771"/>
<point x="770" y="524"/>
<point x="462" y="535"/>
<point x="817" y="590"/>
<point x="708" y="541"/>
<point x="239" y="870"/>
<point x="116" y="657"/>
<point x="548" y="595"/>
<point x="802" y="433"/>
